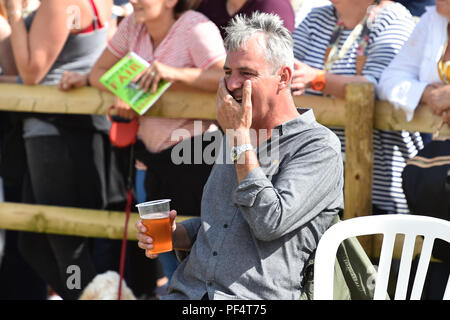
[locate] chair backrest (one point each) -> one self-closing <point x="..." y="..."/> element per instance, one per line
<point x="389" y="225"/>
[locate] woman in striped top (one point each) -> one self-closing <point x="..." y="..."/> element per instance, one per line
<point x="354" y="41"/>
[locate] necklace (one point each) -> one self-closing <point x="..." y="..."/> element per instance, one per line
<point x="361" y="32"/>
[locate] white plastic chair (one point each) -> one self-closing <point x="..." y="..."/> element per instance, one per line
<point x="388" y="225"/>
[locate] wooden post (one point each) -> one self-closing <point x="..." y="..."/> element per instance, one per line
<point x="359" y="110"/>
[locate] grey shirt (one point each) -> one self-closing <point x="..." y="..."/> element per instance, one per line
<point x="253" y="239"/>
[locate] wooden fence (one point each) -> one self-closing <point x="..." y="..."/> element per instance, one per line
<point x="359" y="114"/>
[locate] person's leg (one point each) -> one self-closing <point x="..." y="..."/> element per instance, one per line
<point x="144" y="272"/>
<point x="37" y="252"/>
<point x="18" y="281"/>
<point x="55" y="180"/>
<point x="75" y="265"/>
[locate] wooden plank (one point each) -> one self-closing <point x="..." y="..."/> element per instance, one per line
<point x="331" y="112"/>
<point x="68" y="221"/>
<point x="359" y="153"/>
<point x="389" y="118"/>
<point x="49" y="99"/>
<point x="185" y="104"/>
<point x="87" y="100"/>
<point x="328" y="111"/>
<point x="197" y="105"/>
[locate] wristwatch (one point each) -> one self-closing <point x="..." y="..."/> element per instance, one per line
<point x="319" y="81"/>
<point x="238" y="150"/>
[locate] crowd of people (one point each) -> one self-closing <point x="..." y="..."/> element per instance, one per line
<point x="68" y="160"/>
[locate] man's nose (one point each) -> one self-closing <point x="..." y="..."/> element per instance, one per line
<point x="233" y="82"/>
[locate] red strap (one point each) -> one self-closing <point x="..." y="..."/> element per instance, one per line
<point x="124" y="241"/>
<point x="92" y="26"/>
<point x="96" y="14"/>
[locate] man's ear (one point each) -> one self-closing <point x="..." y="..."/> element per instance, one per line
<point x="285" y="74"/>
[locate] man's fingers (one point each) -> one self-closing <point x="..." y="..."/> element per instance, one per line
<point x="173" y="216"/>
<point x="222" y="90"/>
<point x="229" y="100"/>
<point x="247" y="94"/>
<point x="140" y="226"/>
<point x="144" y="242"/>
<point x="150" y="255"/>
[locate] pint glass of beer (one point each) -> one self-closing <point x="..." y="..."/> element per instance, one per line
<point x="155" y="217"/>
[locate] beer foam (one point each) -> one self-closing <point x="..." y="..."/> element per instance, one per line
<point x="156" y="215"/>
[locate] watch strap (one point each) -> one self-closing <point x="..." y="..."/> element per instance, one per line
<point x="236" y="151"/>
<point x="319" y="81"/>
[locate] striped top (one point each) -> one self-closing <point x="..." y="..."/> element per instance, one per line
<point x="193" y="41"/>
<point x="389" y="30"/>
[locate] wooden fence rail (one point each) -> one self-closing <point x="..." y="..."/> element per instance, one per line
<point x="359" y="114"/>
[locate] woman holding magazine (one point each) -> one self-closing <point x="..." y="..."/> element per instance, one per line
<point x="185" y="48"/>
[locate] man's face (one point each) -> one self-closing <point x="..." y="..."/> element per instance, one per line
<point x="249" y="63"/>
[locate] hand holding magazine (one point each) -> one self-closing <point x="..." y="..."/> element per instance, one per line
<point x="119" y="80"/>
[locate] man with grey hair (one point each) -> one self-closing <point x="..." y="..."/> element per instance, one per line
<point x="260" y="221"/>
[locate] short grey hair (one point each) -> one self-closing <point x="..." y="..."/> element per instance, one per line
<point x="279" y="43"/>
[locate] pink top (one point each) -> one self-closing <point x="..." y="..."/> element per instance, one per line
<point x="193" y="41"/>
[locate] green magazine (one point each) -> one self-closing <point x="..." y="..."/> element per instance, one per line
<point x="119" y="78"/>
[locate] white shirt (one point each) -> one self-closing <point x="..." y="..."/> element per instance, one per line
<point x="404" y="80"/>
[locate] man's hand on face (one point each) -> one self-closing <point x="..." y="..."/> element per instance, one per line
<point x="234" y="113"/>
<point x="235" y="118"/>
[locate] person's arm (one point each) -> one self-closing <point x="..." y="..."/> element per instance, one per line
<point x="334" y="83"/>
<point x="34" y="53"/>
<point x="103" y="64"/>
<point x="7" y="63"/>
<point x="71" y="80"/>
<point x="436" y="96"/>
<point x="236" y="119"/>
<point x="307" y="183"/>
<point x="202" y="79"/>
<point x="182" y="78"/>
<point x="401" y="83"/>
